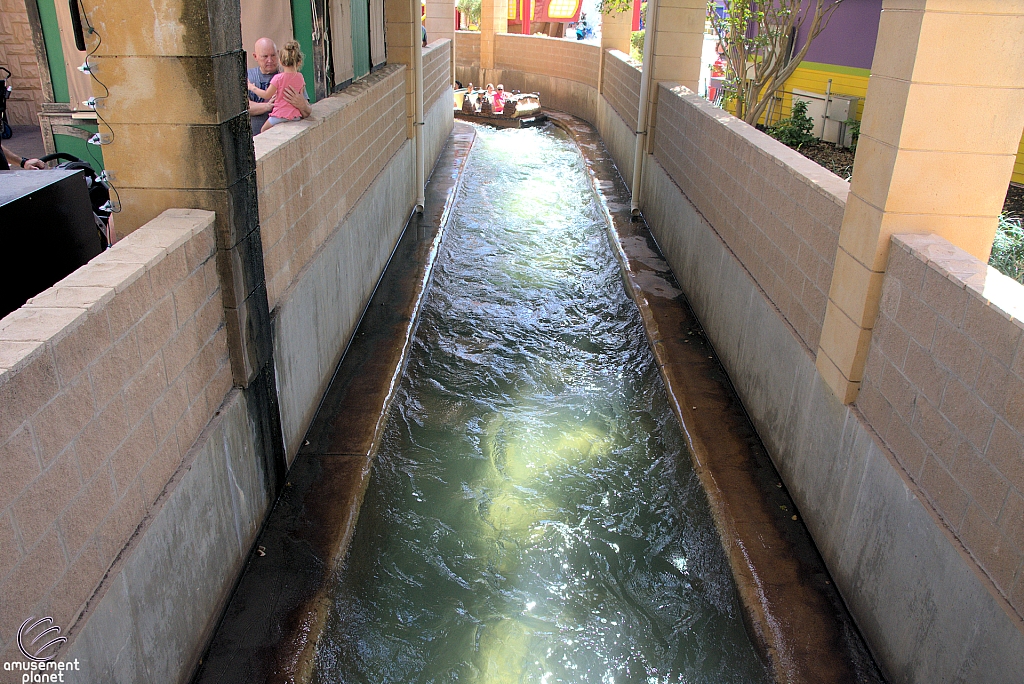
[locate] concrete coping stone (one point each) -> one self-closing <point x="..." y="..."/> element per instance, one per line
<point x="56" y="312"/>
<point x="823" y="181"/>
<point x="279" y="136"/>
<point x="623" y="57"/>
<point x="1003" y="294"/>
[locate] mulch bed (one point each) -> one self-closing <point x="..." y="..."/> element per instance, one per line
<point x="840" y="162"/>
<point x="1014" y="204"/>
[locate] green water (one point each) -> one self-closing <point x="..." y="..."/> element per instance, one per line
<point x="533" y="515"/>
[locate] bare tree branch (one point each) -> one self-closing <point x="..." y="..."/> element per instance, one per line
<point x="754" y="35"/>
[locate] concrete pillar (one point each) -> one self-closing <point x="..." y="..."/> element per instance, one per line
<point x="493" y="20"/>
<point x="936" y="151"/>
<point x="402" y="33"/>
<point x="179" y="123"/>
<point x="440" y="21"/>
<point x="616" y="30"/>
<point x="678" y="41"/>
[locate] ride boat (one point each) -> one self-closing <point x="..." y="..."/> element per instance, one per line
<point x="519" y="110"/>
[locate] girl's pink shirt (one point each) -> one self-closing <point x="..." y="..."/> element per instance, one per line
<point x="282" y="109"/>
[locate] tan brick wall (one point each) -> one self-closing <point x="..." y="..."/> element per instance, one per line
<point x="437" y="74"/>
<point x="548" y="57"/>
<point x="309" y="174"/>
<point x="18" y="54"/>
<point x="106" y="380"/>
<point x="944" y="389"/>
<point x="467" y="48"/>
<point x="779" y="212"/>
<point x="622" y="85"/>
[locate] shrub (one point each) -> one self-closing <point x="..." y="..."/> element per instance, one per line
<point x="796" y="130"/>
<point x="1008" y="248"/>
<point x="636" y="42"/>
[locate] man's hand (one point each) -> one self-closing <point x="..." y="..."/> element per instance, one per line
<point x="258" y="108"/>
<point x="34" y="164"/>
<point x="297" y="100"/>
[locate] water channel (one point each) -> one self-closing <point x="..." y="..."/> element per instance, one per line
<point x="533" y="515"/>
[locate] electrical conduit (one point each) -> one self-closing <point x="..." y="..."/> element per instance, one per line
<point x="417" y="80"/>
<point x="641" y="119"/>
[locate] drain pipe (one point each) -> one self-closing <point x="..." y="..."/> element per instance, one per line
<point x="417" y="124"/>
<point x="641" y="119"/>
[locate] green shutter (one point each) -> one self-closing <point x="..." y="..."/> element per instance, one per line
<point x="361" y="37"/>
<point x="54" y="51"/>
<point x="302" y="27"/>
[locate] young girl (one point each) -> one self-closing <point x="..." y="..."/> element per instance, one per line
<point x="291" y="60"/>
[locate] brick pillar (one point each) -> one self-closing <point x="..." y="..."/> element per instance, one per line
<point x="402" y="33"/>
<point x="616" y="30"/>
<point x="678" y="41"/>
<point x="493" y="20"/>
<point x="440" y="21"/>
<point x="179" y="118"/>
<point x="937" y="146"/>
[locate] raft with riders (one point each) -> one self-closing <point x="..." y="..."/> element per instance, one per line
<point x="495" y="107"/>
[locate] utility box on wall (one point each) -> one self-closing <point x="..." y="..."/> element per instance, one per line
<point x="48" y="230"/>
<point x="830" y="125"/>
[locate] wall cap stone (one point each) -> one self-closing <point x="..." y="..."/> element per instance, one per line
<point x="280" y="135"/>
<point x="1002" y="293"/>
<point x="54" y="313"/>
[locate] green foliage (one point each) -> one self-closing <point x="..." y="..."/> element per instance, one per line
<point x="1008" y="248"/>
<point x="614" y="6"/>
<point x="796" y="130"/>
<point x="853" y="126"/>
<point x="636" y="45"/>
<point x="471" y="8"/>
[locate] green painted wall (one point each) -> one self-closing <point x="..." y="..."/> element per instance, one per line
<point x="302" y="26"/>
<point x="54" y="51"/>
<point x="361" y="37"/>
<point x="55" y="56"/>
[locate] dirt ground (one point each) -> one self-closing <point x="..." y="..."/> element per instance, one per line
<point x="840" y="162"/>
<point x="1014" y="204"/>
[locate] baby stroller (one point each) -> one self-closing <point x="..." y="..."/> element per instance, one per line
<point x="99" y="192"/>
<point x="5" y="94"/>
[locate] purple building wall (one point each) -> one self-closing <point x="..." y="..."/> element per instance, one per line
<point x="849" y="38"/>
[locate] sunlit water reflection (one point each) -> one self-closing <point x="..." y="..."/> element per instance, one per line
<point x="533" y="516"/>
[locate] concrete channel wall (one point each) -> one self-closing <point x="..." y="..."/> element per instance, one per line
<point x="133" y="477"/>
<point x="109" y="379"/>
<point x="912" y="494"/>
<point x="335" y="193"/>
<point x="927" y="607"/>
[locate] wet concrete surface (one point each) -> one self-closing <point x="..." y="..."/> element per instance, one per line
<point x="793" y="611"/>
<point x="269" y="630"/>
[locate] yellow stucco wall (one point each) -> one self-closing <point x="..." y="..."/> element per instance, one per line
<point x="813" y="77"/>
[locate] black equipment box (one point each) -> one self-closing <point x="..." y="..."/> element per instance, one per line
<point x="47" y="228"/>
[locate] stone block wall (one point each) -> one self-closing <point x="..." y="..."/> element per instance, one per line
<point x="106" y="381"/>
<point x="18" y="54"/>
<point x="779" y="212"/>
<point x="621" y="85"/>
<point x="437" y="75"/>
<point x="944" y="390"/>
<point x="311" y="173"/>
<point x="467" y="49"/>
<point x="545" y="56"/>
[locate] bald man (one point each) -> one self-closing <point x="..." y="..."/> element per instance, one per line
<point x="267" y="65"/>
